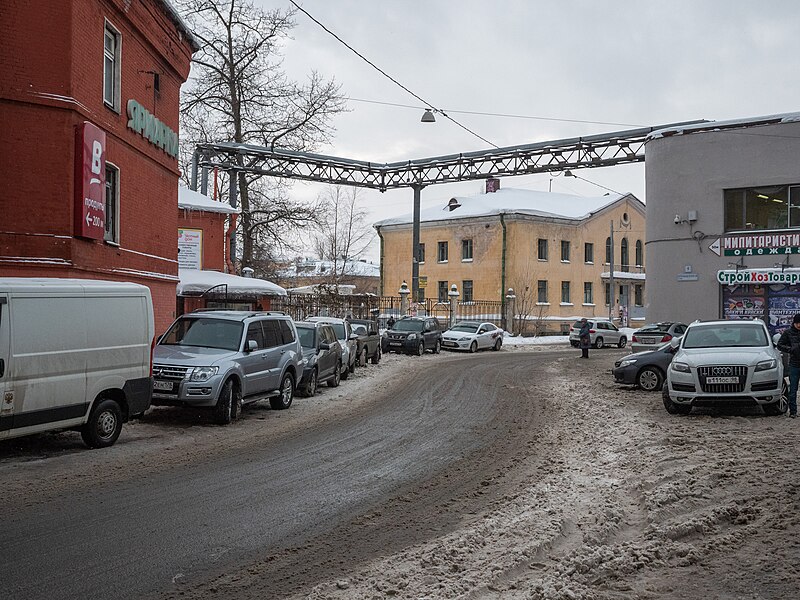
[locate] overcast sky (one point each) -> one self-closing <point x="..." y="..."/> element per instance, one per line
<point x="618" y="63"/>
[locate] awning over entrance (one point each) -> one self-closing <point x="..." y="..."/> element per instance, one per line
<point x="195" y="282"/>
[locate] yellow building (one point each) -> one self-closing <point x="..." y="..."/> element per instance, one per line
<point x="552" y="249"/>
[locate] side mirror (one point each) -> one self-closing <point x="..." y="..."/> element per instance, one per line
<point x="353" y="336"/>
<point x="775" y="339"/>
<point x="252" y="346"/>
<point x="324" y="346"/>
<point x="674" y="343"/>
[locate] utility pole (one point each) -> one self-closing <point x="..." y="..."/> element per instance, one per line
<point x="415" y="245"/>
<point x="611" y="292"/>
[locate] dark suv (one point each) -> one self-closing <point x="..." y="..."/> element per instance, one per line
<point x="323" y="356"/>
<point x="413" y="335"/>
<point x="222" y="359"/>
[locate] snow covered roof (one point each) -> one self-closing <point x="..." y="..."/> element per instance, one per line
<point x="341" y="289"/>
<point x="513" y="201"/>
<point x="191" y="200"/>
<point x="316" y="267"/>
<point x="197" y="281"/>
<point x="793" y="117"/>
<point x="623" y="275"/>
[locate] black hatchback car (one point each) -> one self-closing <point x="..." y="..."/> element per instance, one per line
<point x="413" y="335"/>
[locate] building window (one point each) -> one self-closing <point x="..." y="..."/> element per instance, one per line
<point x="111" y="63"/>
<point x="565" y="292"/>
<point x="112" y="204"/>
<point x="421" y="253"/>
<point x="639" y="254"/>
<point x="624" y="260"/>
<point x="588" y="253"/>
<point x="638" y="295"/>
<point x="421" y="294"/>
<point x="607" y="292"/>
<point x="542" y="249"/>
<point x="466" y="290"/>
<point x="774" y="207"/>
<point x="542" y="291"/>
<point x="608" y="250"/>
<point x="466" y="249"/>
<point x="443" y="291"/>
<point x="564" y="251"/>
<point x="588" y="296"/>
<point x="442" y="253"/>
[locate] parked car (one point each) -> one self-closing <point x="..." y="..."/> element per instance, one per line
<point x="74" y="354"/>
<point x="651" y="337"/>
<point x="322" y="353"/>
<point x="413" y="335"/>
<point x="725" y="361"/>
<point x="472" y="336"/>
<point x="347" y="339"/>
<point x="368" y="342"/>
<point x="647" y="369"/>
<point x="602" y="331"/>
<point x="223" y="359"/>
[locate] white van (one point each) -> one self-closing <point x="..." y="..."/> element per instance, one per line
<point x="74" y="354"/>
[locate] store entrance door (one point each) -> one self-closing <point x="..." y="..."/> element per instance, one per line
<point x="624" y="304"/>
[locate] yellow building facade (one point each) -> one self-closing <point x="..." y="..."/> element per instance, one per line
<point x="553" y="250"/>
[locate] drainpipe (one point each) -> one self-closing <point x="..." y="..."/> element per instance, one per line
<point x="378" y="229"/>
<point x="503" y="273"/>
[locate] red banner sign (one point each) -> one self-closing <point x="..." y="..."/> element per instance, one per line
<point x="90" y="181"/>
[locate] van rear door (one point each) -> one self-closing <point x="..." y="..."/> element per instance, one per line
<point x="6" y="401"/>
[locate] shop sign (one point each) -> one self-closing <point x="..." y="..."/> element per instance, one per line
<point x="143" y="122"/>
<point x="763" y="244"/>
<point x="190" y="248"/>
<point x="90" y="181"/>
<point x="423" y="281"/>
<point x="758" y="277"/>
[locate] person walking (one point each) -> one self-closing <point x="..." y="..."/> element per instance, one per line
<point x="390" y="322"/>
<point x="585" y="338"/>
<point x="789" y="343"/>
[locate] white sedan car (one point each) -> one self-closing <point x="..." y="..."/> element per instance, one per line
<point x="472" y="336"/>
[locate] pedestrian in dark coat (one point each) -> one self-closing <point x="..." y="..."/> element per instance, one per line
<point x="390" y="323"/>
<point x="585" y="338"/>
<point x="789" y="343"/>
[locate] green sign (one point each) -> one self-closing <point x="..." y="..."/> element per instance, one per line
<point x="143" y="122"/>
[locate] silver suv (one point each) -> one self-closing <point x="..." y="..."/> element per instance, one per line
<point x="725" y="362"/>
<point x="222" y="359"/>
<point x="602" y="332"/>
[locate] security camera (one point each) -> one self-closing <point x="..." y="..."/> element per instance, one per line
<point x="677" y="219"/>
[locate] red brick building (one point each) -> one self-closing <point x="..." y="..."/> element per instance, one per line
<point x="89" y="99"/>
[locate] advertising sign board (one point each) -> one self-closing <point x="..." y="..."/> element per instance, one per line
<point x="190" y="248"/>
<point x="763" y="244"/>
<point x="90" y="181"/>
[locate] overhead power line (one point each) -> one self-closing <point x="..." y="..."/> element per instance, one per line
<point x="392" y="79"/>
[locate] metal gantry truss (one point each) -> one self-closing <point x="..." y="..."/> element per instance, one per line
<point x="602" y="150"/>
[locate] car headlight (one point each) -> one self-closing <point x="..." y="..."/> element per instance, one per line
<point x="412" y="336"/>
<point x="682" y="367"/>
<point x="627" y="363"/>
<point x="766" y="365"/>
<point x="385" y="334"/>
<point x="463" y="339"/>
<point x="203" y="373"/>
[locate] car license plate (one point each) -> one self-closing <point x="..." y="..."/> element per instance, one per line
<point x="164" y="386"/>
<point x="648" y="340"/>
<point x="722" y="380"/>
<point x="449" y="344"/>
<point x="395" y="343"/>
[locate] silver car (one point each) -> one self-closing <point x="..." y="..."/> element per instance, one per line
<point x="725" y="362"/>
<point x="602" y="332"/>
<point x="653" y="336"/>
<point x="222" y="359"/>
<point x="472" y="336"/>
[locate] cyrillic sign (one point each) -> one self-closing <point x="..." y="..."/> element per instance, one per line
<point x="143" y="122"/>
<point x="190" y="248"/>
<point x="762" y="244"/>
<point x="758" y="277"/>
<point x="90" y="181"/>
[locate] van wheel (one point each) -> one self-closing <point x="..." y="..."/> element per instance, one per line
<point x="104" y="425"/>
<point x="672" y="407"/>
<point x="284" y="399"/>
<point x="337" y="376"/>
<point x="598" y="342"/>
<point x="226" y="408"/>
<point x="376" y="358"/>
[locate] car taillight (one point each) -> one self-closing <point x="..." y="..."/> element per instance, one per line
<point x="591" y="331"/>
<point x="667" y="337"/>
<point x="634" y="338"/>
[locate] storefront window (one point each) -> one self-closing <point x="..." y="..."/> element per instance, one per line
<point x="773" y="207"/>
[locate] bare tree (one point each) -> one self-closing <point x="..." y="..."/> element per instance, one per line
<point x="344" y="232"/>
<point x="527" y="301"/>
<point x="238" y="92"/>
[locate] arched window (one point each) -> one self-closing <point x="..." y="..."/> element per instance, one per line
<point x="624" y="261"/>
<point x="608" y="250"/>
<point x="639" y="255"/>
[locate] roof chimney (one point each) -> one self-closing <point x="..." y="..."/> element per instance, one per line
<point x="453" y="204"/>
<point x="492" y="184"/>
